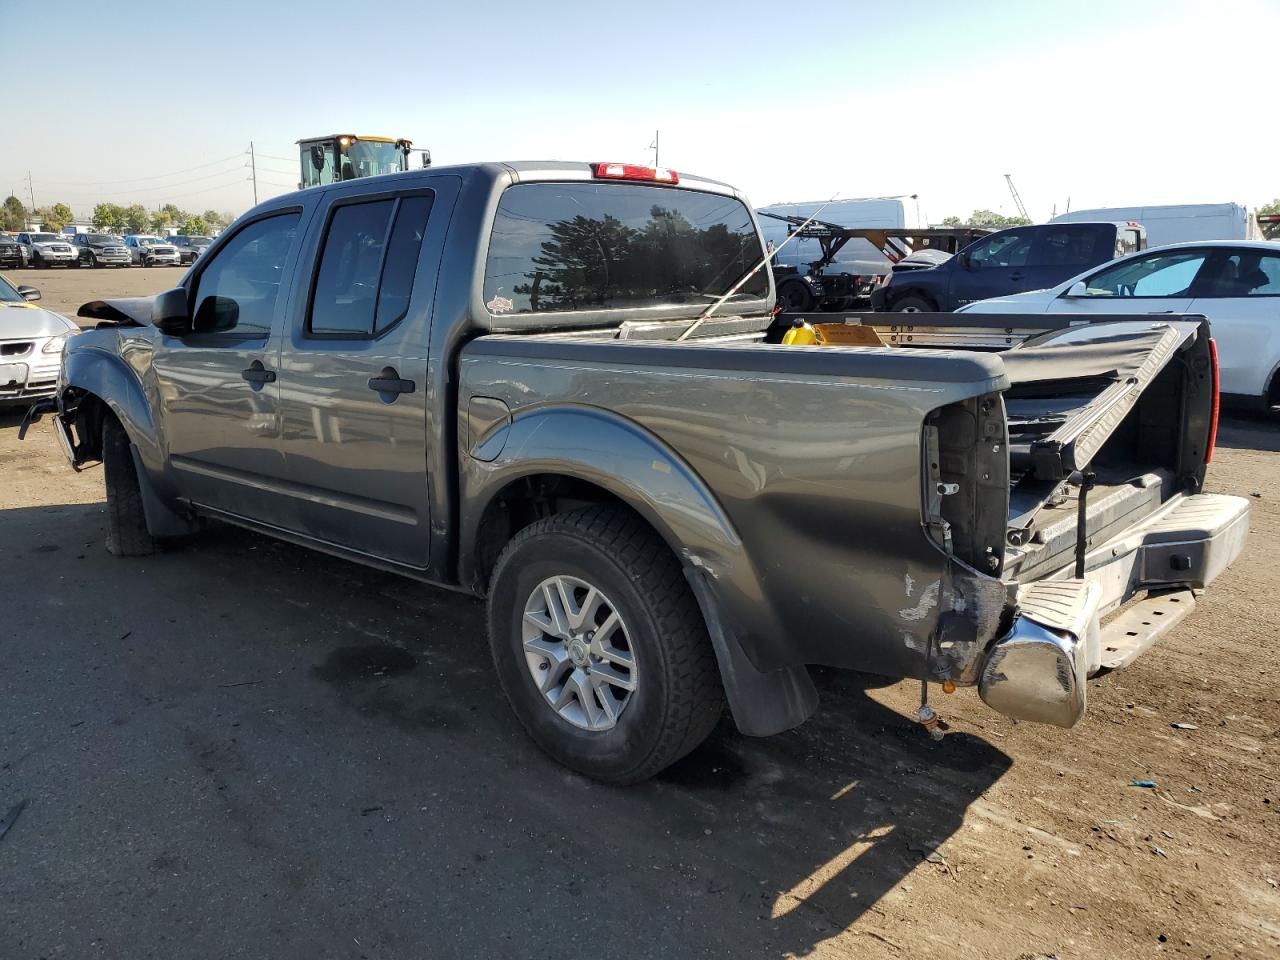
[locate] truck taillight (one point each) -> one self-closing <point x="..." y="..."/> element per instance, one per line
<point x="629" y="171"/>
<point x="1213" y="416"/>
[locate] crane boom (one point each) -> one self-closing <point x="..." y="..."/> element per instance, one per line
<point x="1017" y="200"/>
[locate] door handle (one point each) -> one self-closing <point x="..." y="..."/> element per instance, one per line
<point x="389" y="383"/>
<point x="1015" y="276"/>
<point x="257" y="375"/>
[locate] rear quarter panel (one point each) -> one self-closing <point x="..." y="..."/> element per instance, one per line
<point x="811" y="455"/>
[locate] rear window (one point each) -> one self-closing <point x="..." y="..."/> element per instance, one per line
<point x="592" y="246"/>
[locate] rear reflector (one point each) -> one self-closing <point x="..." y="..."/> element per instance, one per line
<point x="1213" y="421"/>
<point x="628" y="171"/>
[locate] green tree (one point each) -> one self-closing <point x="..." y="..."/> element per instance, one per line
<point x="1269" y="208"/>
<point x="194" y="227"/>
<point x="214" y="219"/>
<point x="108" y="216"/>
<point x="56" y="217"/>
<point x="136" y="219"/>
<point x="13" y="216"/>
<point x="986" y="218"/>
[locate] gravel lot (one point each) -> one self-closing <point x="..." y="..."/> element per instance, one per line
<point x="239" y="748"/>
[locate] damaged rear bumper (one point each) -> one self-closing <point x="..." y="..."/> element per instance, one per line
<point x="1037" y="671"/>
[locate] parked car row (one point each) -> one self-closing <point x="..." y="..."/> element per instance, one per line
<point x="40" y="250"/>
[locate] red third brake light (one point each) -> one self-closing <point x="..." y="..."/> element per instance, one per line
<point x="1213" y="421"/>
<point x="629" y="171"/>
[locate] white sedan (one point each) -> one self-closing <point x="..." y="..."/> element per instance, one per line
<point x="31" y="341"/>
<point x="1236" y="284"/>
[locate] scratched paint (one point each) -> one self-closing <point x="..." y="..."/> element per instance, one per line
<point x="928" y="600"/>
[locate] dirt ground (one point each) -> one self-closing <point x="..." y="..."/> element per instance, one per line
<point x="241" y="748"/>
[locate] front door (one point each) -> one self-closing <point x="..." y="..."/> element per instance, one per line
<point x="1159" y="282"/>
<point x="218" y="386"/>
<point x="995" y="266"/>
<point x="353" y="379"/>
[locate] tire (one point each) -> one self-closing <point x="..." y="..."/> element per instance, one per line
<point x="37" y="262"/>
<point x="677" y="697"/>
<point x="127" y="534"/>
<point x="795" y="296"/>
<point x="913" y="303"/>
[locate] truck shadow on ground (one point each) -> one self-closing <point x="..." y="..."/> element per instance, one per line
<point x="309" y="726"/>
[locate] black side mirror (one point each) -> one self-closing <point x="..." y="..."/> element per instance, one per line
<point x="317" y="157"/>
<point x="29" y="293"/>
<point x="170" y="313"/>
<point x="216" y="315"/>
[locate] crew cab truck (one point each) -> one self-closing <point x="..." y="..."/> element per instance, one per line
<point x="1008" y="261"/>
<point x="475" y="376"/>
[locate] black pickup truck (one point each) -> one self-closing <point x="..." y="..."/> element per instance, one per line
<point x="1009" y="261"/>
<point x="493" y="378"/>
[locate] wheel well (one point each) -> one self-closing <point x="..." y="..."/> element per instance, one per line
<point x="525" y="500"/>
<point x="87" y="412"/>
<point x="914" y="292"/>
<point x="1272" y="396"/>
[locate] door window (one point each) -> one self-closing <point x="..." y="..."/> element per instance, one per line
<point x="1000" y="250"/>
<point x="1068" y="247"/>
<point x="1162" y="275"/>
<point x="367" y="266"/>
<point x="236" y="290"/>
<point x="1247" y="274"/>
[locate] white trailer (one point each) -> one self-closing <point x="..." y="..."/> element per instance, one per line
<point x="1174" y="223"/>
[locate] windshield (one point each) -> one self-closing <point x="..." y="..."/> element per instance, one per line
<point x="150" y="241"/>
<point x="198" y="241"/>
<point x="44" y="237"/>
<point x="8" y="294"/>
<point x="366" y="158"/>
<point x="101" y="238"/>
<point x="592" y="246"/>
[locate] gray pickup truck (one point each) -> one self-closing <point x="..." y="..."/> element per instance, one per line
<point x="474" y="376"/>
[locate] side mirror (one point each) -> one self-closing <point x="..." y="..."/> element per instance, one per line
<point x="426" y="159"/>
<point x="29" y="293"/>
<point x="170" y="313"/>
<point x="964" y="260"/>
<point x="1078" y="289"/>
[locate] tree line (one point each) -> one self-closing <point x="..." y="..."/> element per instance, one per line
<point x="115" y="218"/>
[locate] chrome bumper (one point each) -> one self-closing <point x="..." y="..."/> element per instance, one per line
<point x="1038" y="671"/>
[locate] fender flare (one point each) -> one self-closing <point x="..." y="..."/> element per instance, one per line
<point x="621" y="457"/>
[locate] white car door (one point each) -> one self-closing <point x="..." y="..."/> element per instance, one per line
<point x="1161" y="282"/>
<point x="1243" y="308"/>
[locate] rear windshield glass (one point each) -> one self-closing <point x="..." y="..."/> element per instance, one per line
<point x="593" y="246"/>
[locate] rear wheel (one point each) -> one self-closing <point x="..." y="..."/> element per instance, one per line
<point x="127" y="534"/>
<point x="795" y="296"/>
<point x="913" y="304"/>
<point x="600" y="646"/>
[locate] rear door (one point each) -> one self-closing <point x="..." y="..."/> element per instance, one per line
<point x="354" y="368"/>
<point x="1243" y="307"/>
<point x="1060" y="251"/>
<point x="1160" y="282"/>
<point x="995" y="266"/>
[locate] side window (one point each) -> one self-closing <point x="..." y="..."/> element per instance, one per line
<point x="1250" y="274"/>
<point x="237" y="289"/>
<point x="1067" y="247"/>
<point x="1001" y="250"/>
<point x="1162" y="275"/>
<point x="367" y="266"/>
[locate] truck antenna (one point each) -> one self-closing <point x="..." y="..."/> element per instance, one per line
<point x="706" y="314"/>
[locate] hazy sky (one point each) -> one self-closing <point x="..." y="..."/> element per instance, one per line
<point x="1105" y="103"/>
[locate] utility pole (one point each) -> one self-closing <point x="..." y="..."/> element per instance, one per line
<point x="253" y="165"/>
<point x="654" y="147"/>
<point x="31" y="191"/>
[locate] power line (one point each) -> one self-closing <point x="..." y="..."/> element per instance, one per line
<point x="158" y="176"/>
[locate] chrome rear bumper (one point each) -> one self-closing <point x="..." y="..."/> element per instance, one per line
<point x="1038" y="670"/>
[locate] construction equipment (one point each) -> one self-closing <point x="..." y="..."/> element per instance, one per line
<point x="345" y="156"/>
<point x="816" y="289"/>
<point x="1017" y="200"/>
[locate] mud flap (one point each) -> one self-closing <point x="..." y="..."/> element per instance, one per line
<point x="162" y="520"/>
<point x="762" y="704"/>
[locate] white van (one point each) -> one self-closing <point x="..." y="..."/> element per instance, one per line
<point x="1177" y="223"/>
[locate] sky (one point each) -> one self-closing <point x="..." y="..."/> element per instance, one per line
<point x="1087" y="103"/>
